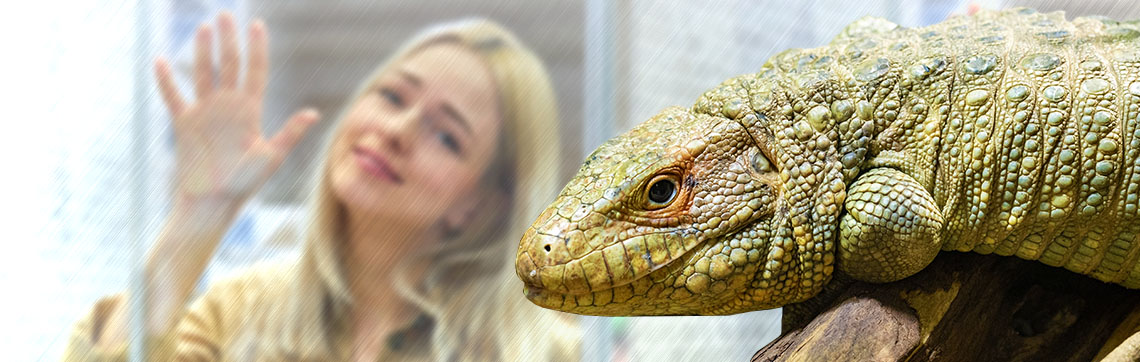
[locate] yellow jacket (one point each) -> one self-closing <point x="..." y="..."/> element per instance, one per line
<point x="228" y="322"/>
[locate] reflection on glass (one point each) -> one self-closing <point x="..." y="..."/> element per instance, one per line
<point x="424" y="181"/>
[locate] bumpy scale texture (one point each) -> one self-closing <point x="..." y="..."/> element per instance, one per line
<point x="1013" y="132"/>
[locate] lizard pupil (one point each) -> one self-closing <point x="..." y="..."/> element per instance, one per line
<point x="662" y="191"/>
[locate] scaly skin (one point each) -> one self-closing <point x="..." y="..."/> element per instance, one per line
<point x="1009" y="132"/>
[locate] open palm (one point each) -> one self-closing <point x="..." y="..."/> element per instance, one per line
<point x="220" y="150"/>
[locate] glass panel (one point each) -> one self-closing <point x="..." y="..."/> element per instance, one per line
<point x="91" y="154"/>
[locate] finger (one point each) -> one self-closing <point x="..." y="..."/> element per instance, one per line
<point x="167" y="87"/>
<point x="258" y="71"/>
<point x="230" y="63"/>
<point x="294" y="130"/>
<point x="204" y="62"/>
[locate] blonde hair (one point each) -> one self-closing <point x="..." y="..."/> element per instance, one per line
<point x="471" y="289"/>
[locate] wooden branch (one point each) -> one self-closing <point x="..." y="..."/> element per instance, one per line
<point x="963" y="307"/>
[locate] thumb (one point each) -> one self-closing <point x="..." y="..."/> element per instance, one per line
<point x="294" y="130"/>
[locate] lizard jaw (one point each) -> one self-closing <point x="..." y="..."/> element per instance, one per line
<point x="665" y="288"/>
<point x="628" y="298"/>
<point x="547" y="265"/>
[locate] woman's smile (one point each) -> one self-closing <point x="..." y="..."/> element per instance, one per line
<point x="375" y="164"/>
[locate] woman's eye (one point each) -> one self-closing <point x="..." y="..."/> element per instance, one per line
<point x="391" y="97"/>
<point x="448" y="140"/>
<point x="662" y="191"/>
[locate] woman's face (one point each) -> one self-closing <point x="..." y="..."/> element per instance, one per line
<point x="414" y="146"/>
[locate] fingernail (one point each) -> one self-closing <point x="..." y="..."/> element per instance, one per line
<point x="257" y="27"/>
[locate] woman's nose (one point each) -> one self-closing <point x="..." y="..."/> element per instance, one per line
<point x="400" y="129"/>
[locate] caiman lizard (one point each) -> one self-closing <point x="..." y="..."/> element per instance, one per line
<point x="1012" y="133"/>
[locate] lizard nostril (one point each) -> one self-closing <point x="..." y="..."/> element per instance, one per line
<point x="547" y="247"/>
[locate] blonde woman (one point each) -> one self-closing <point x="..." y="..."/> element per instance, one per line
<point x="432" y="172"/>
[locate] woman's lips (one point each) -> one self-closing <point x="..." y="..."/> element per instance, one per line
<point x="375" y="164"/>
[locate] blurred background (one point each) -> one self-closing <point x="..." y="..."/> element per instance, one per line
<point x="88" y="149"/>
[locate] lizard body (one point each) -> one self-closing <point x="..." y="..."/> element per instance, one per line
<point x="1013" y="133"/>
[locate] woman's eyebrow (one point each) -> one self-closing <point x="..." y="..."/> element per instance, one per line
<point x="411" y="78"/>
<point x="447" y="108"/>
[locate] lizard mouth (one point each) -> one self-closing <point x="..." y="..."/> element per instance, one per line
<point x="616" y="265"/>
<point x="642" y="295"/>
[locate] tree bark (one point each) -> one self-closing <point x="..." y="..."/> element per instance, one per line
<point x="963" y="307"/>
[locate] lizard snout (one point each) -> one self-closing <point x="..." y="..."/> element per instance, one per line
<point x="539" y="251"/>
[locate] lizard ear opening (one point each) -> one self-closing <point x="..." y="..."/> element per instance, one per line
<point x="760" y="162"/>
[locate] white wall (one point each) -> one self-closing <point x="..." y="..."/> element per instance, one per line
<point x="68" y="208"/>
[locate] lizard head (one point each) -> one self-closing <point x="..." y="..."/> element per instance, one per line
<point x="718" y="209"/>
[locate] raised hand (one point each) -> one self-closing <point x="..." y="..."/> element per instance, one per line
<point x="221" y="154"/>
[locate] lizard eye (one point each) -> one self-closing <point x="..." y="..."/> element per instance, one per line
<point x="760" y="163"/>
<point x="661" y="191"/>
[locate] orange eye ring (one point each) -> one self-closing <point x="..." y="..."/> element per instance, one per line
<point x="661" y="191"/>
